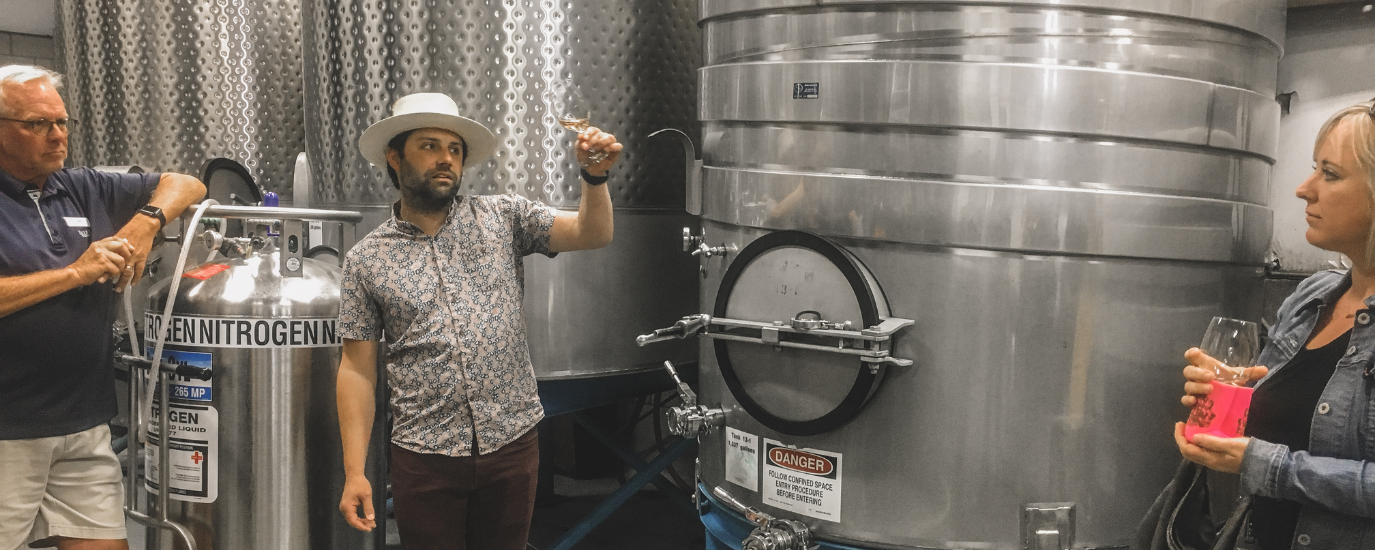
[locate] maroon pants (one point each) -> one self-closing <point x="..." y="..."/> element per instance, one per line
<point x="454" y="503"/>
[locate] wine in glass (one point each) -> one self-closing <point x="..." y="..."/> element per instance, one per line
<point x="574" y="111"/>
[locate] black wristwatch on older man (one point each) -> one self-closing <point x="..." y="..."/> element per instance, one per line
<point x="155" y="213"/>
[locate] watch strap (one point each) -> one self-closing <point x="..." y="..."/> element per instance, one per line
<point x="154" y="212"/>
<point x="595" y="180"/>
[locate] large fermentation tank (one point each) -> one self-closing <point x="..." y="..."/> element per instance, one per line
<point x="256" y="457"/>
<point x="1060" y="195"/>
<point x="170" y="85"/>
<point x="636" y="62"/>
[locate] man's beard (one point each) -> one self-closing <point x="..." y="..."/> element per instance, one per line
<point x="419" y="195"/>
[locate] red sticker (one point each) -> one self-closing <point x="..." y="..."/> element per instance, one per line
<point x="206" y="271"/>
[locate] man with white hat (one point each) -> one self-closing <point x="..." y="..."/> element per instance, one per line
<point x="443" y="280"/>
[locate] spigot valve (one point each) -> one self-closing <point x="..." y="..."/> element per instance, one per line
<point x="690" y="420"/>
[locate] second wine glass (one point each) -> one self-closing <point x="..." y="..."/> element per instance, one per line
<point x="1235" y="344"/>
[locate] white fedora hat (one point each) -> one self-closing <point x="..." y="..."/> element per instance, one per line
<point x="426" y="110"/>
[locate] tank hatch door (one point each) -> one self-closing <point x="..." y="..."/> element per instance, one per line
<point x="802" y="332"/>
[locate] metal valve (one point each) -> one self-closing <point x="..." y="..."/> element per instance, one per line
<point x="698" y="247"/>
<point x="781" y="534"/>
<point x="690" y="420"/>
<point x="772" y="533"/>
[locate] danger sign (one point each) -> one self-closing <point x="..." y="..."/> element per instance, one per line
<point x="806" y="481"/>
<point x="194" y="446"/>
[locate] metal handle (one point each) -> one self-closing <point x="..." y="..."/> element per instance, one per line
<point x="280" y="213"/>
<point x="685" y="327"/>
<point x="754" y="515"/>
<point x="198" y="373"/>
<point x="685" y="393"/>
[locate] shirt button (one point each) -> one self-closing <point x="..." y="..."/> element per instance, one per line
<point x="1363" y="318"/>
<point x="1304" y="539"/>
<point x="1324" y="408"/>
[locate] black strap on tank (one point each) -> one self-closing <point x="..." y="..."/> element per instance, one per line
<point x="865" y="382"/>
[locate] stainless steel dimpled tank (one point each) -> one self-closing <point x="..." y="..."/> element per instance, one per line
<point x="171" y="85"/>
<point x="1059" y="195"/>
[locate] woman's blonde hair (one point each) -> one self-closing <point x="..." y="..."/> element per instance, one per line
<point x="1362" y="116"/>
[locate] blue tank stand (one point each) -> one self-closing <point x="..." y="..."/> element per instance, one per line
<point x="570" y="396"/>
<point x="726" y="529"/>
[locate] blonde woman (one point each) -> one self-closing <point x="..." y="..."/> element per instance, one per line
<point x="1307" y="461"/>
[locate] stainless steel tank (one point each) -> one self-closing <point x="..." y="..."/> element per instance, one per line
<point x="256" y="455"/>
<point x="170" y="85"/>
<point x="1058" y="194"/>
<point x="635" y="60"/>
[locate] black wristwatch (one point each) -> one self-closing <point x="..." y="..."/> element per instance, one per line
<point x="154" y="212"/>
<point x="595" y="180"/>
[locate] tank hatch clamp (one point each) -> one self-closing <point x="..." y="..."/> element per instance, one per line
<point x="772" y="533"/>
<point x="690" y="420"/>
<point x="872" y="345"/>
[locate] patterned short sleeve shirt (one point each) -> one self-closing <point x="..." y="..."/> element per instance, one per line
<point x="450" y="306"/>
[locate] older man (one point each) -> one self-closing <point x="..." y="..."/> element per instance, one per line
<point x="69" y="239"/>
<point x="443" y="281"/>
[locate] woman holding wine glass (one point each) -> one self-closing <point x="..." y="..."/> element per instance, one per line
<point x="1306" y="460"/>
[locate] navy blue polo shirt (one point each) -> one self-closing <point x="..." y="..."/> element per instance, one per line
<point x="56" y="365"/>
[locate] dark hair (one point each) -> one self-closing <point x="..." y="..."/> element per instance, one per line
<point x="398" y="144"/>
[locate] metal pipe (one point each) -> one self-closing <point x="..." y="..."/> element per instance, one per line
<point x="308" y="214"/>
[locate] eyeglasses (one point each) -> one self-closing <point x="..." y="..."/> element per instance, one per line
<point x="43" y="126"/>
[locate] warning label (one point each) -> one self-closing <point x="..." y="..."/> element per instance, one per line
<point x="189" y="389"/>
<point x="806" y="481"/>
<point x="235" y="332"/>
<point x="742" y="459"/>
<point x="193" y="453"/>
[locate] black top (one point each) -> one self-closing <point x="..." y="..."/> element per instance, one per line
<point x="1282" y="412"/>
<point x="56" y="365"/>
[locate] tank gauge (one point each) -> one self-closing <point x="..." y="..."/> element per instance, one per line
<point x="293" y="264"/>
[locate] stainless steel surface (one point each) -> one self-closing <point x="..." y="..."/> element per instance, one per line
<point x="1265" y="19"/>
<point x="169" y="85"/>
<point x="635" y="60"/>
<point x="640" y="280"/>
<point x="1038" y="378"/>
<point x="279" y="465"/>
<point x="1060" y="194"/>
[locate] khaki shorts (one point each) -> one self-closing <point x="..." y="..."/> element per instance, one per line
<point x="64" y="486"/>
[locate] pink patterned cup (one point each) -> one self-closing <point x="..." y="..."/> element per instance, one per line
<point x="1221" y="413"/>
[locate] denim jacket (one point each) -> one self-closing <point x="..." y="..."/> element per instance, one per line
<point x="1333" y="480"/>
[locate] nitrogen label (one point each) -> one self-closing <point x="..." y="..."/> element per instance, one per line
<point x="806" y="481"/>
<point x="742" y="459"/>
<point x="194" y="453"/>
<point x="235" y="332"/>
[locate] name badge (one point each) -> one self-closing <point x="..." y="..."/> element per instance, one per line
<point x="78" y="222"/>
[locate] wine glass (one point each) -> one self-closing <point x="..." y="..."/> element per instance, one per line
<point x="1235" y="344"/>
<point x="574" y="111"/>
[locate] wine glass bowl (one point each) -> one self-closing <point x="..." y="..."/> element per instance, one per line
<point x="573" y="111"/>
<point x="1235" y="344"/>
